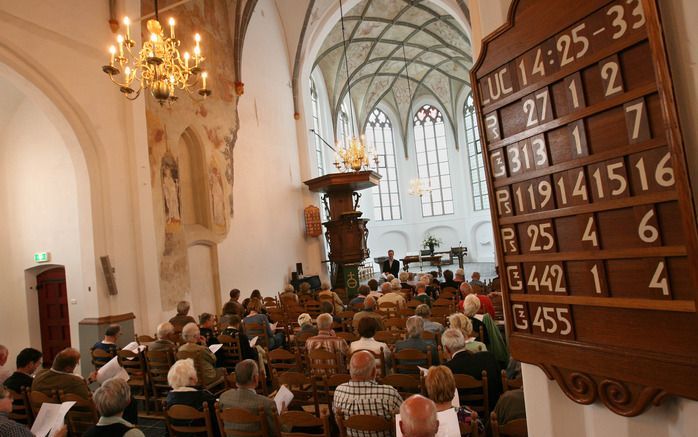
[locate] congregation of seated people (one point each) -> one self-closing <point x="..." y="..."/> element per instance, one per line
<point x="421" y="355"/>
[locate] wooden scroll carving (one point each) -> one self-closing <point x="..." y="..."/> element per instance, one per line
<point x="591" y="202"/>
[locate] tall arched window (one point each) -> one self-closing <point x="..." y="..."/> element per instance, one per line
<point x="477" y="166"/>
<point x="343" y="129"/>
<point x="432" y="161"/>
<point x="386" y="196"/>
<point x="317" y="126"/>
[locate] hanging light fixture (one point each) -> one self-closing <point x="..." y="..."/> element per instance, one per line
<point x="158" y="66"/>
<point x="354" y="156"/>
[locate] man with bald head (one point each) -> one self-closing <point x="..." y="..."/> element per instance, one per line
<point x="363" y="395"/>
<point x="418" y="417"/>
<point x="60" y="376"/>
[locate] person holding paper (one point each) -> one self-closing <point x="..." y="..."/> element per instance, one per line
<point x="60" y="376"/>
<point x="108" y="343"/>
<point x="166" y="336"/>
<point x="245" y="397"/>
<point x="440" y="386"/>
<point x="111" y="399"/>
<point x="10" y="428"/>
<point x="204" y="358"/>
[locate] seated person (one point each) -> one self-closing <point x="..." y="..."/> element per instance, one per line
<point x="336" y="300"/>
<point x="414" y="340"/>
<point x="256" y="294"/>
<point x="182" y="317"/>
<point x="182" y="378"/>
<point x="368" y="311"/>
<point x="476" y="281"/>
<point x="166" y="335"/>
<point x="232" y="329"/>
<point x="392" y="295"/>
<point x="245" y="397"/>
<point x="440" y="386"/>
<point x="359" y="300"/>
<point x="304" y="292"/>
<point x="111" y="399"/>
<point x="459" y="276"/>
<point x="511" y="406"/>
<point x="424" y="312"/>
<point x="27" y="361"/>
<point x="422" y="295"/>
<point x="206" y="323"/>
<point x="327" y="307"/>
<point x="233" y="306"/>
<point x="9" y="427"/>
<point x="255" y="316"/>
<point x="463" y="362"/>
<point x="418" y="417"/>
<point x="471" y="307"/>
<point x="486" y="305"/>
<point x="204" y="359"/>
<point x="372" y="285"/>
<point x="367" y="330"/>
<point x="306" y="324"/>
<point x="60" y="376"/>
<point x="326" y="338"/>
<point x="108" y="344"/>
<point x="461" y="322"/>
<point x="289" y="297"/>
<point x="448" y="280"/>
<point x="404" y="278"/>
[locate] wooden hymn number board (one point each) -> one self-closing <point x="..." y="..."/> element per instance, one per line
<point x="592" y="206"/>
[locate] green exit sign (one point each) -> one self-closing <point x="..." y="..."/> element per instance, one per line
<point x="42" y="257"/>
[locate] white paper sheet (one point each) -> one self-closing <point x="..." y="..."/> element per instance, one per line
<point x="50" y="418"/>
<point x="448" y="424"/>
<point x="112" y="370"/>
<point x="133" y="347"/>
<point x="253" y="342"/>
<point x="456" y="399"/>
<point x="284" y="396"/>
<point x="273" y="326"/>
<point x="423" y="370"/>
<point x="215" y="347"/>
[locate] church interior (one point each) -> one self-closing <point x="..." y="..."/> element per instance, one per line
<point x="243" y="162"/>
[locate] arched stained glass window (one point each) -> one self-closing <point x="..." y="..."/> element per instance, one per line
<point x="432" y="161"/>
<point x="386" y="196"/>
<point x="317" y="126"/>
<point x="477" y="166"/>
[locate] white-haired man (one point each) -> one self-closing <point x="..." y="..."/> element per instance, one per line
<point x="203" y="358"/>
<point x="363" y="395"/>
<point x="465" y="363"/>
<point x="418" y="417"/>
<point x="392" y="295"/>
<point x="166" y="334"/>
<point x="414" y="340"/>
<point x="326" y="338"/>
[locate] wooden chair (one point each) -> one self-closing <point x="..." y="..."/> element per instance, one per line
<point x="299" y="341"/>
<point x="473" y="393"/>
<point x="270" y="302"/>
<point x="406" y="385"/>
<point x="348" y="336"/>
<point x="347" y="318"/>
<point x="389" y="337"/>
<point x="291" y="419"/>
<point x="253" y="330"/>
<point x="230" y="353"/>
<point x="405" y="313"/>
<point x="36" y="399"/>
<point x="327" y="388"/>
<point x="239" y="416"/>
<point x="157" y="364"/>
<point x="81" y="416"/>
<point x="21" y="411"/>
<point x="514" y="428"/>
<point x="394" y="324"/>
<point x="312" y="307"/>
<point x="408" y="360"/>
<point x="231" y="381"/>
<point x="511" y="384"/>
<point x="100" y="358"/>
<point x="442" y="302"/>
<point x="498" y="305"/>
<point x="322" y="363"/>
<point x="304" y="391"/>
<point x="143" y="339"/>
<point x="134" y="364"/>
<point x="216" y="386"/>
<point x="281" y="360"/>
<point x="388" y="309"/>
<point x="413" y="304"/>
<point x="362" y="423"/>
<point x="186" y="420"/>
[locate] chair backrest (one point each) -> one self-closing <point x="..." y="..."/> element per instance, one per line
<point x="473" y="393"/>
<point x="158" y="363"/>
<point x="253" y="425"/>
<point x="81" y="416"/>
<point x="407" y="385"/>
<point x="348" y="336"/>
<point x="37" y="398"/>
<point x="323" y="363"/>
<point x="134" y="364"/>
<point x="301" y="419"/>
<point x="304" y="390"/>
<point x="414" y="303"/>
<point x="183" y="419"/>
<point x="143" y="339"/>
<point x="388" y="337"/>
<point x="299" y="341"/>
<point x="381" y="365"/>
<point x="328" y="386"/>
<point x="100" y="357"/>
<point x="347" y="318"/>
<point x="511" y="384"/>
<point x="394" y="324"/>
<point x="21" y="411"/>
<point x="253" y="330"/>
<point x="408" y="360"/>
<point x="312" y="307"/>
<point x="230" y="353"/>
<point x="362" y="422"/>
<point x="280" y="360"/>
<point x="389" y="309"/>
<point x="514" y="428"/>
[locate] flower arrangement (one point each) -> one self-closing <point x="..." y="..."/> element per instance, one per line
<point x="430" y="242"/>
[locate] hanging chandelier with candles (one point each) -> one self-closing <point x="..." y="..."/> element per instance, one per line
<point x="419" y="187"/>
<point x="352" y="155"/>
<point x="158" y="66"/>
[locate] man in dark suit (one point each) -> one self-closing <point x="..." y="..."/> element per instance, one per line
<point x="245" y="397"/>
<point x="391" y="265"/>
<point x="467" y="363"/>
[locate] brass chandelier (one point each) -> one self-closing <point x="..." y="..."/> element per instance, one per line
<point x="353" y="155"/>
<point x="158" y="65"/>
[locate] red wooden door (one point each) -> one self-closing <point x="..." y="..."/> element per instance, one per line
<point x="53" y="313"/>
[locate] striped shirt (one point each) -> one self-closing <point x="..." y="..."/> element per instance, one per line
<point x="10" y="428"/>
<point x="367" y="397"/>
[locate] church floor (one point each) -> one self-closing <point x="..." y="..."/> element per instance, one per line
<point x="152" y="427"/>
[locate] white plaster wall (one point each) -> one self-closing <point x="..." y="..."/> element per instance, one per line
<point x="267" y="230"/>
<point x="549" y="411"/>
<point x="39" y="211"/>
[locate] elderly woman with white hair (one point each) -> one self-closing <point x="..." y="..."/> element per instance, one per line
<point x="111" y="399"/>
<point x="462" y="322"/>
<point x="203" y="357"/>
<point x="471" y="307"/>
<point x="306" y="324"/>
<point x="183" y="380"/>
<point x="414" y="340"/>
<point x="326" y="293"/>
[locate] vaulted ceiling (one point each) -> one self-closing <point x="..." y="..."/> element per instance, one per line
<point x="388" y="44"/>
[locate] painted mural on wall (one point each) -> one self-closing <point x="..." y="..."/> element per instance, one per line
<point x="214" y="123"/>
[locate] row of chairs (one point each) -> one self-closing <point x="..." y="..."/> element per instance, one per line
<point x="26" y="405"/>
